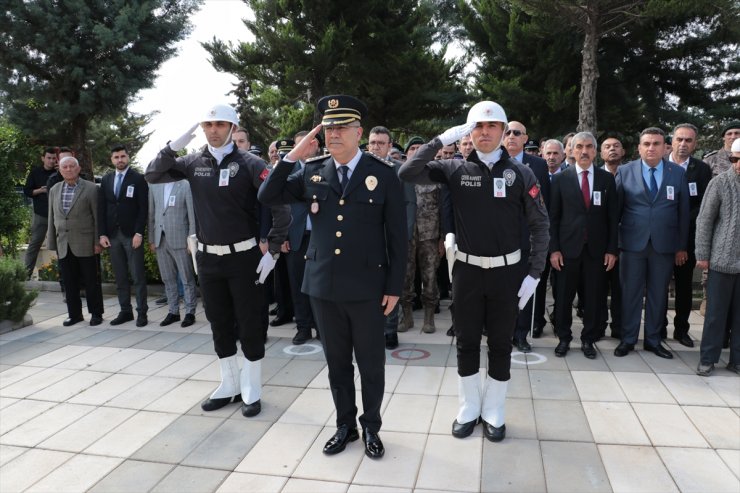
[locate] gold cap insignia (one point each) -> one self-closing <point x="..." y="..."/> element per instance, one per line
<point x="316" y="178"/>
<point x="371" y="182"/>
<point x="333" y="103"/>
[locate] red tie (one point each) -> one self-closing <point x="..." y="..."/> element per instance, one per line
<point x="585" y="189"/>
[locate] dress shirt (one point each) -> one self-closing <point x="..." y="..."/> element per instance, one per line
<point x="590" y="171"/>
<point x="658" y="173"/>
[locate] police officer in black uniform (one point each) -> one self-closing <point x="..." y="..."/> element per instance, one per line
<point x="230" y="266"/>
<point x="355" y="261"/>
<point x="491" y="195"/>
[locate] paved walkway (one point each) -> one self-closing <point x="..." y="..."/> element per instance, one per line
<point x="118" y="409"/>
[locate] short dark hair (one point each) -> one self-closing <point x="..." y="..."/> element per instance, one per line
<point x="118" y="148"/>
<point x="49" y="150"/>
<point x="381" y="130"/>
<point x="690" y="126"/>
<point x="243" y="130"/>
<point x="653" y="131"/>
<point x="65" y="149"/>
<point x="300" y="133"/>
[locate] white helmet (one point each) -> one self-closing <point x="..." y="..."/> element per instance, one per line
<point x="221" y="113"/>
<point x="487" y="111"/>
<point x="735" y="146"/>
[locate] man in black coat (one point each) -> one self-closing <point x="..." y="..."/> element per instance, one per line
<point x="123" y="208"/>
<point x="355" y="261"/>
<point x="698" y="174"/>
<point x="584" y="217"/>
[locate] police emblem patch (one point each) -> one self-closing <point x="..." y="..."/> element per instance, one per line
<point x="333" y="103"/>
<point x="371" y="182"/>
<point x="233" y="169"/>
<point x="509" y="176"/>
<point x="315" y="178"/>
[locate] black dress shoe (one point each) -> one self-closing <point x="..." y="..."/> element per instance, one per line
<point x="122" y="318"/>
<point x="96" y="320"/>
<point x="171" y="318"/>
<point x="161" y="301"/>
<point x="683" y="339"/>
<point x="659" y="351"/>
<point x="537" y="332"/>
<point x="391" y="341"/>
<point x="451" y="331"/>
<point x="522" y="345"/>
<point x="189" y="320"/>
<point x="219" y="402"/>
<point x="141" y="320"/>
<point x="492" y="433"/>
<point x="462" y="430"/>
<point x="278" y="321"/>
<point x="253" y="409"/>
<point x="623" y="349"/>
<point x="72" y="321"/>
<point x="373" y="446"/>
<point x="588" y="349"/>
<point x="562" y="348"/>
<point x="341" y="438"/>
<point x="303" y="336"/>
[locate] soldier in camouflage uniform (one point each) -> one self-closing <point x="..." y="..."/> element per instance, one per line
<point x="424" y="249"/>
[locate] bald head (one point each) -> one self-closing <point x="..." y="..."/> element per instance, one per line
<point x="515" y="138"/>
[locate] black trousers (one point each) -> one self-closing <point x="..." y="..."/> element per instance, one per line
<point x="536" y="303"/>
<point x="233" y="301"/>
<point x="589" y="271"/>
<point x="348" y="327"/>
<point x="76" y="269"/>
<point x="683" y="276"/>
<point x="296" y="263"/>
<point x="485" y="298"/>
<point x="282" y="289"/>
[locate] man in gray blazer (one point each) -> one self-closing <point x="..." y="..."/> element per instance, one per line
<point x="171" y="221"/>
<point x="73" y="233"/>
<point x="653" y="236"/>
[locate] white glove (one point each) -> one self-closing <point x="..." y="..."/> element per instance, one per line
<point x="179" y="143"/>
<point x="450" y="249"/>
<point x="456" y="133"/>
<point x="529" y="285"/>
<point x="267" y="263"/>
<point x="193" y="245"/>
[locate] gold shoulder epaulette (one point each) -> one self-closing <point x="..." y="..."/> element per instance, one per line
<point x="378" y="158"/>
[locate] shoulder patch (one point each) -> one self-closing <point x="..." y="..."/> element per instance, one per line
<point x="317" y="158"/>
<point x="264" y="174"/>
<point x="534" y="191"/>
<point x="378" y="158"/>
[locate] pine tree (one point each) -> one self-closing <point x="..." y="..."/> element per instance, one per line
<point x="379" y="51"/>
<point x="63" y="64"/>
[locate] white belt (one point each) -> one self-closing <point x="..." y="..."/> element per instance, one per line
<point x="242" y="246"/>
<point x="489" y="262"/>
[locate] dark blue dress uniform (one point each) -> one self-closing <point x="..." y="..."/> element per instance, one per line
<point x="356" y="255"/>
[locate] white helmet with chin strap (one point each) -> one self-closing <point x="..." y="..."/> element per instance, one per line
<point x="221" y="113"/>
<point x="487" y="111"/>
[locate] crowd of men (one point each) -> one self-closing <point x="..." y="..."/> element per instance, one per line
<point x="350" y="239"/>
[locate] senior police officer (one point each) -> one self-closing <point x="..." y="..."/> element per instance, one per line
<point x="491" y="195"/>
<point x="355" y="260"/>
<point x="224" y="181"/>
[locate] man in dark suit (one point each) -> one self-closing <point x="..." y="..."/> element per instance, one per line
<point x="122" y="215"/>
<point x="698" y="174"/>
<point x="72" y="232"/>
<point x="584" y="213"/>
<point x="514" y="140"/>
<point x="295" y="248"/>
<point x="653" y="235"/>
<point x="355" y="260"/>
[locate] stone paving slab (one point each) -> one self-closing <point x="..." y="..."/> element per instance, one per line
<point x="106" y="409"/>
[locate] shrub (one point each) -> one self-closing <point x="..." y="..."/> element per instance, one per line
<point x="50" y="271"/>
<point x="14" y="299"/>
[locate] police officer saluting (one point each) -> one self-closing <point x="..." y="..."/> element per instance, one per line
<point x="355" y="261"/>
<point x="224" y="182"/>
<point x="491" y="195"/>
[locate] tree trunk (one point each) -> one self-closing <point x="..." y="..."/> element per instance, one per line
<point x="589" y="74"/>
<point x="79" y="144"/>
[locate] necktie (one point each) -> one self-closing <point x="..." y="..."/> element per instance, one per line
<point x="343" y="180"/>
<point x="653" y="184"/>
<point x="117" y="187"/>
<point x="585" y="189"/>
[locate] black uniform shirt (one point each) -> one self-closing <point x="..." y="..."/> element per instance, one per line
<point x="224" y="195"/>
<point x="486" y="225"/>
<point x="37" y="178"/>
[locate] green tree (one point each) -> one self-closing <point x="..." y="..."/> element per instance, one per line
<point x="16" y="152"/>
<point x="379" y="51"/>
<point x="667" y="62"/>
<point x="64" y="64"/>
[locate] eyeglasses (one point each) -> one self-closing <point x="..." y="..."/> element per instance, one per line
<point x="734" y="159"/>
<point x="516" y="133"/>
